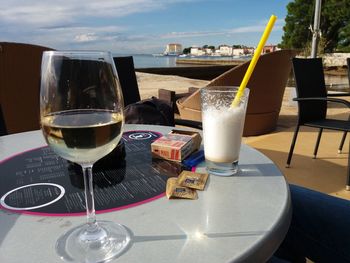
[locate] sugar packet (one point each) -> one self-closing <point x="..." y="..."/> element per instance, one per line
<point x="174" y="190"/>
<point x="192" y="179"/>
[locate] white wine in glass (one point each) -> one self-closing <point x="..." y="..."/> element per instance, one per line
<point x="81" y="108"/>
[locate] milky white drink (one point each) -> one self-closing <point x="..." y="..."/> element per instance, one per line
<point x="222" y="128"/>
<point x="222" y="134"/>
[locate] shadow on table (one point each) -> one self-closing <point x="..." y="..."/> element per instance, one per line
<point x="7" y="220"/>
<point x="196" y="237"/>
<point x="139" y="239"/>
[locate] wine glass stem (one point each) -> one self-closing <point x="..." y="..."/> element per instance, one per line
<point x="89" y="196"/>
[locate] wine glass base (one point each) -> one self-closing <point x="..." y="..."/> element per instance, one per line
<point x="113" y="240"/>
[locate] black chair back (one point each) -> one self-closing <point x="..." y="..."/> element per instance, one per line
<point x="20" y="85"/>
<point x="127" y="78"/>
<point x="2" y="124"/>
<point x="309" y="80"/>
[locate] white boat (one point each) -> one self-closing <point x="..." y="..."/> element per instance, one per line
<point x="173" y="54"/>
<point x="158" y="55"/>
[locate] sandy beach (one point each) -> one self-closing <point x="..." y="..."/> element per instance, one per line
<point x="150" y="83"/>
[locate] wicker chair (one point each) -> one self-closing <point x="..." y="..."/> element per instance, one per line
<point x="267" y="85"/>
<point x="312" y="101"/>
<point x="19" y="86"/>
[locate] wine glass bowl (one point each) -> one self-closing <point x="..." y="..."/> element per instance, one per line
<point x="81" y="112"/>
<point x="83" y="136"/>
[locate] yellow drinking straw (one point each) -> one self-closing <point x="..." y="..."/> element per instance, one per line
<point x="254" y="60"/>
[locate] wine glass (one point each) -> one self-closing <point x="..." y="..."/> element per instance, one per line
<point x="81" y="110"/>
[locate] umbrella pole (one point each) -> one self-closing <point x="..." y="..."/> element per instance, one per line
<point x="316" y="29"/>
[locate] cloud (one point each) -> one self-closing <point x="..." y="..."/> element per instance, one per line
<point x="91" y="24"/>
<point x="63" y="24"/>
<point x="43" y="12"/>
<point x="256" y="28"/>
<point x="191" y="34"/>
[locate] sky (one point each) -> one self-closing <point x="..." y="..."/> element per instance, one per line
<point x="139" y="26"/>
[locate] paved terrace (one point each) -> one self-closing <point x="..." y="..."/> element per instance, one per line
<point x="327" y="173"/>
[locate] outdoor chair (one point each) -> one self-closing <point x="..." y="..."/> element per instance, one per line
<point x="345" y="133"/>
<point x="19" y="86"/>
<point x="127" y="79"/>
<point x="2" y="124"/>
<point x="312" y="101"/>
<point x="267" y="85"/>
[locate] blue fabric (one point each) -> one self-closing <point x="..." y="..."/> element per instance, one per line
<point x="320" y="228"/>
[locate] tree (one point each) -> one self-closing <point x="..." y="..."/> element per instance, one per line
<point x="186" y="50"/>
<point x="334" y="24"/>
<point x="296" y="29"/>
<point x="344" y="42"/>
<point x="336" y="18"/>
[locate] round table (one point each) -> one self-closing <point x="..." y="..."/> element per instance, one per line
<point x="242" y="218"/>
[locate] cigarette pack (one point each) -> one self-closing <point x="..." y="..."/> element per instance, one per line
<point x="176" y="145"/>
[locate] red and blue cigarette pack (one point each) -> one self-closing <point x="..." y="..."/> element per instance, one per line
<point x="176" y="145"/>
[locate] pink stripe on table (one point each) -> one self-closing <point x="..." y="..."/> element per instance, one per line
<point x="84" y="213"/>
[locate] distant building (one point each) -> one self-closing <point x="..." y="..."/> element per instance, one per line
<point x="248" y="51"/>
<point x="222" y="50"/>
<point x="225" y="50"/>
<point x="197" y="51"/>
<point x="237" y="51"/>
<point x="173" y="49"/>
<point x="269" y="48"/>
<point x="208" y="51"/>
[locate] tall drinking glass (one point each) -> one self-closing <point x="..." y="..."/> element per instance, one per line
<point x="81" y="108"/>
<point x="222" y="128"/>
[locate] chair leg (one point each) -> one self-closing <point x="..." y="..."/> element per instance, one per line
<point x="342" y="142"/>
<point x="291" y="150"/>
<point x="317" y="142"/>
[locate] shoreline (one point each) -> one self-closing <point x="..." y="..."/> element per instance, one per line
<point x="199" y="72"/>
<point x="210" y="72"/>
<point x="199" y="61"/>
